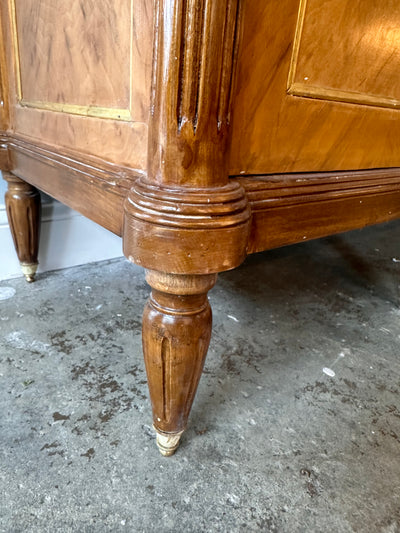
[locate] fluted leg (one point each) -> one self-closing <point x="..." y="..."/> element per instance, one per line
<point x="23" y="212"/>
<point x="176" y="335"/>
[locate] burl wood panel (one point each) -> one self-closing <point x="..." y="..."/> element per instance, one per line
<point x="274" y="131"/>
<point x="73" y="44"/>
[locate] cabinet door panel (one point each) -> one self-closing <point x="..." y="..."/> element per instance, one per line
<point x="317" y="86"/>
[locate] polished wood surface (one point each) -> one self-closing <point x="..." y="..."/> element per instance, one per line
<point x="344" y="46"/>
<point x="4" y="102"/>
<point x="4" y="92"/>
<point x="92" y="186"/>
<point x="95" y="104"/>
<point x="249" y="134"/>
<point x="72" y="43"/>
<point x="186" y="231"/>
<point x="364" y="37"/>
<point x="23" y="212"/>
<point x="291" y="208"/>
<point x="186" y="220"/>
<point x="176" y="335"/>
<point x="186" y="217"/>
<point x="193" y="83"/>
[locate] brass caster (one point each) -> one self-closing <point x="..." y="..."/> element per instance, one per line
<point x="168" y="442"/>
<point x="29" y="271"/>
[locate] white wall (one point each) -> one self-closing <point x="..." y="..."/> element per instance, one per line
<point x="66" y="239"/>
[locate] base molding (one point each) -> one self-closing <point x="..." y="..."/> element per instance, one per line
<point x="279" y="209"/>
<point x="291" y="208"/>
<point x="75" y="179"/>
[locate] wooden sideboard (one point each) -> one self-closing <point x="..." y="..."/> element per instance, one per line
<point x="198" y="131"/>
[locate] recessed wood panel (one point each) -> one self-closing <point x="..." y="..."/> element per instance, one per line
<point x="101" y="111"/>
<point x="274" y="131"/>
<point x="75" y="53"/>
<point x="347" y="50"/>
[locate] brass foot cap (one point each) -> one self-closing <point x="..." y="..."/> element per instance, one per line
<point x="29" y="271"/>
<point x="168" y="443"/>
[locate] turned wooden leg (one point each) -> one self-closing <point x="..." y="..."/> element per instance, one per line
<point x="186" y="215"/>
<point x="23" y="212"/>
<point x="176" y="335"/>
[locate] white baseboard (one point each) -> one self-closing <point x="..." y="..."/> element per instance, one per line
<point x="66" y="239"/>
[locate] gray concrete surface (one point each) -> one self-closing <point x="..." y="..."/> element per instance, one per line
<point x="295" y="428"/>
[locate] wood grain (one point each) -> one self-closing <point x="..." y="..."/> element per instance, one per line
<point x="4" y="96"/>
<point x="142" y="59"/>
<point x="176" y="335"/>
<point x="285" y="208"/>
<point x="4" y="154"/>
<point x="185" y="217"/>
<point x="23" y="213"/>
<point x="185" y="221"/>
<point x="365" y="38"/>
<point x="160" y="177"/>
<point x="75" y="45"/>
<point x="186" y="231"/>
<point x="121" y="142"/>
<point x="291" y="208"/>
<point x="191" y="92"/>
<point x="92" y="186"/>
<point x="274" y="132"/>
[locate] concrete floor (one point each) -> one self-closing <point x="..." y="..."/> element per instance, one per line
<point x="295" y="427"/>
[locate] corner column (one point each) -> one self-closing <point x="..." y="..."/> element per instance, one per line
<point x="185" y="221"/>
